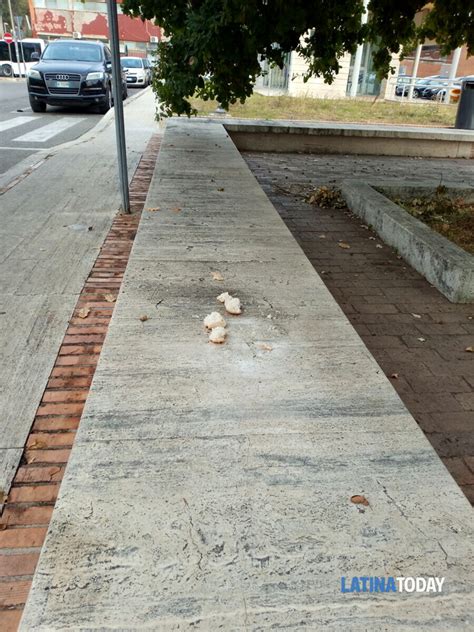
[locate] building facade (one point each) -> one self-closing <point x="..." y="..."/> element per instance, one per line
<point x="290" y="80"/>
<point x="53" y="19"/>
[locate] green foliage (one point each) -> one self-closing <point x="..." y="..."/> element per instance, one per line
<point x="212" y="46"/>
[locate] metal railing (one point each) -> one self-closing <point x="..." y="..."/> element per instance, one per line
<point x="413" y="88"/>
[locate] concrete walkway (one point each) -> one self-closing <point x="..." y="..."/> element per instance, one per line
<point x="210" y="486"/>
<point x="53" y="223"/>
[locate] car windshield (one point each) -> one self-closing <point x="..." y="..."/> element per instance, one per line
<point x="67" y="51"/>
<point x="131" y="63"/>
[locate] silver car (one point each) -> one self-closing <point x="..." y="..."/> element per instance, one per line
<point x="137" y="71"/>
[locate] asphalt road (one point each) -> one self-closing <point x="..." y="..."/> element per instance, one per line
<point x="23" y="133"/>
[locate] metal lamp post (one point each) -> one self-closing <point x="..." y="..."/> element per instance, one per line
<point x="118" y="104"/>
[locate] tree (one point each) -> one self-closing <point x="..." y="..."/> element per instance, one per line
<point x="212" y="47"/>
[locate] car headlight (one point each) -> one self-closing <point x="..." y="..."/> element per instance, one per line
<point x="95" y="76"/>
<point x="33" y="74"/>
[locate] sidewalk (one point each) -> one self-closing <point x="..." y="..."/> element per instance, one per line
<point x="210" y="486"/>
<point x="53" y="224"/>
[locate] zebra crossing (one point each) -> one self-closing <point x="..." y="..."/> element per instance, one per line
<point x="45" y="132"/>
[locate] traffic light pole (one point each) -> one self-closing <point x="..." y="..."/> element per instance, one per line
<point x="17" y="52"/>
<point x="118" y="104"/>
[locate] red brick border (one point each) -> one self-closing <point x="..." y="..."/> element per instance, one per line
<point x="29" y="506"/>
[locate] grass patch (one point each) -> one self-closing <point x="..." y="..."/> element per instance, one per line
<point x="338" y="110"/>
<point x="451" y="216"/>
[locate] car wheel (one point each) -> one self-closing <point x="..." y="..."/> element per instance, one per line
<point x="416" y="94"/>
<point x="37" y="106"/>
<point x="107" y="103"/>
<point x="6" y="70"/>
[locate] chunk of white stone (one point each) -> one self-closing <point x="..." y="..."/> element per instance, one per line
<point x="233" y="305"/>
<point x="222" y="298"/>
<point x="218" y="335"/>
<point x="214" y="320"/>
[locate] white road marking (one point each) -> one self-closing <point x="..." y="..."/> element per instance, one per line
<point x="10" y="148"/>
<point x="42" y="134"/>
<point x="14" y="122"/>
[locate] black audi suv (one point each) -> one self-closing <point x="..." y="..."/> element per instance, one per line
<point x="73" y="72"/>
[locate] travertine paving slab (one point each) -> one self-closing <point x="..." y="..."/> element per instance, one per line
<point x="209" y="487"/>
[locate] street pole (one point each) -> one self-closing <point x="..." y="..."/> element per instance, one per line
<point x="414" y="71"/>
<point x="118" y="104"/>
<point x="14" y="38"/>
<point x="452" y="73"/>
<point x="358" y="56"/>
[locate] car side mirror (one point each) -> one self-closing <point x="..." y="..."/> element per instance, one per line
<point x="108" y="65"/>
<point x="35" y="57"/>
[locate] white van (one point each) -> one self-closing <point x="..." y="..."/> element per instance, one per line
<point x="9" y="66"/>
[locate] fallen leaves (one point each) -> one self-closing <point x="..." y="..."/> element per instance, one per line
<point x="143" y="318"/>
<point x="263" y="346"/>
<point x="358" y="499"/>
<point x="416" y="315"/>
<point x="176" y="209"/>
<point x="153" y="209"/>
<point x="84" y="312"/>
<point x="37" y="445"/>
<point x="469" y="349"/>
<point x="217" y="276"/>
<point x="344" y="245"/>
<point x="395" y="376"/>
<point x="110" y="298"/>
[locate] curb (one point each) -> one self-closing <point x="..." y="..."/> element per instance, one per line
<point x="21" y="170"/>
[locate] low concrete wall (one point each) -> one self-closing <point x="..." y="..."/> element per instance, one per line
<point x="334" y="138"/>
<point x="442" y="263"/>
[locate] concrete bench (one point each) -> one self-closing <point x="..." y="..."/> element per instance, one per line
<point x="210" y="486"/>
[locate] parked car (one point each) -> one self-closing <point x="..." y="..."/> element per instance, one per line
<point x="137" y="71"/>
<point x="71" y="73"/>
<point x="403" y="86"/>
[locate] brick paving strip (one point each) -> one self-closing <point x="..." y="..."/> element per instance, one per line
<point x="415" y="334"/>
<point x="29" y="506"/>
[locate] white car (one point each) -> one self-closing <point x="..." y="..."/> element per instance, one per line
<point x="137" y="71"/>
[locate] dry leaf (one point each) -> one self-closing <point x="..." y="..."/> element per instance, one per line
<point x="378" y="246"/>
<point x="221" y="189"/>
<point x="110" y="298"/>
<point x="416" y="315"/>
<point x="395" y="376"/>
<point x="153" y="209"/>
<point x="422" y="339"/>
<point x="143" y="318"/>
<point x="53" y="472"/>
<point x="217" y="276"/>
<point x="469" y="349"/>
<point x="342" y="244"/>
<point x="84" y="312"/>
<point x="37" y="445"/>
<point x="322" y="236"/>
<point x="264" y="346"/>
<point x="358" y="499"/>
<point x="176" y="209"/>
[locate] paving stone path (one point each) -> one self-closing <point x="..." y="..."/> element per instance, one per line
<point x="380" y="294"/>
